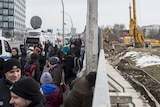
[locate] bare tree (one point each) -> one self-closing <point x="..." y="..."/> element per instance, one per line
<point x="117" y="29"/>
<point x="154" y="34"/>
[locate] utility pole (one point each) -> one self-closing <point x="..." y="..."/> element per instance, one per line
<point x="92" y="36"/>
<point x="63" y="21"/>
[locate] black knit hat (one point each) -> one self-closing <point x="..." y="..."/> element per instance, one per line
<point x="26" y="88"/>
<point x="11" y="64"/>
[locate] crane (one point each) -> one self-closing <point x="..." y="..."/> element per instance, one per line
<point x="134" y="29"/>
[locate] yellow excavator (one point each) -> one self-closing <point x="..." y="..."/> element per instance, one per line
<point x="134" y="29"/>
<point x="106" y="33"/>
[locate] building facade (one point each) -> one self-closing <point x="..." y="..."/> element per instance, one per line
<point x="12" y="18"/>
<point x="146" y="30"/>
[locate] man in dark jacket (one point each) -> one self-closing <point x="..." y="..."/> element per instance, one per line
<point x="41" y="58"/>
<point x="68" y="65"/>
<point x="26" y="93"/>
<point x="11" y="73"/>
<point x="75" y="50"/>
<point x="1" y="66"/>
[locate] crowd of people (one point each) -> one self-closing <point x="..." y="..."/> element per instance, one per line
<point x="25" y="83"/>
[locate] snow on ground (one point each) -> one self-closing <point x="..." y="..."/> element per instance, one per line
<point x="143" y="59"/>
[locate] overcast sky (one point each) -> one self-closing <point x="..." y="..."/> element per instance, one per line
<point x="110" y="12"/>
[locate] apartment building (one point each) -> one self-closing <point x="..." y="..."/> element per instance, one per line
<point x="12" y="17"/>
<point x="146" y="30"/>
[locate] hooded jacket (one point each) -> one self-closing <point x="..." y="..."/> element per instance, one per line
<point x="52" y="94"/>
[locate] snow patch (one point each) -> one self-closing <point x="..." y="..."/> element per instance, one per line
<point x="143" y="59"/>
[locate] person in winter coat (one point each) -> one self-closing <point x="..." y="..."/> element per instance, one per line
<point x="22" y="56"/>
<point x="51" y="92"/>
<point x="26" y="93"/>
<point x="33" y="60"/>
<point x="75" y="50"/>
<point x="11" y="74"/>
<point x="41" y="58"/>
<point x="46" y="46"/>
<point x="15" y="53"/>
<point x="1" y="67"/>
<point x="55" y="70"/>
<point x="81" y="94"/>
<point x="68" y="65"/>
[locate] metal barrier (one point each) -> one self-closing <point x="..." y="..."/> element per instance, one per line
<point x="113" y="81"/>
<point x="101" y="93"/>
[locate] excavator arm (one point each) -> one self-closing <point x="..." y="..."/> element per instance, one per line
<point x="105" y="34"/>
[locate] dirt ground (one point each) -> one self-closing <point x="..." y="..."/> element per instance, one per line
<point x="149" y="76"/>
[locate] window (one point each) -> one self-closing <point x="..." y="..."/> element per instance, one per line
<point x="10" y="0"/>
<point x="10" y="12"/>
<point x="5" y="5"/>
<point x="5" y="11"/>
<point x="5" y="18"/>
<point x="5" y="24"/>
<point x="1" y="4"/>
<point x="32" y="40"/>
<point x="1" y="25"/>
<point x="1" y="18"/>
<point x="7" y="47"/>
<point x="1" y="11"/>
<point x="11" y="5"/>
<point x="10" y="24"/>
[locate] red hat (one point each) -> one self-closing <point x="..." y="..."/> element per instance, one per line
<point x="37" y="49"/>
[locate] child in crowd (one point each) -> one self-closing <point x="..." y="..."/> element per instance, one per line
<point x="52" y="93"/>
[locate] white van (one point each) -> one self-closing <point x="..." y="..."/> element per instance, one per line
<point x="5" y="49"/>
<point x="34" y="37"/>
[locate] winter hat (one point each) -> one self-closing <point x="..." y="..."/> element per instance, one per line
<point x="11" y="64"/>
<point x="58" y="60"/>
<point x="37" y="49"/>
<point x="52" y="60"/>
<point x="65" y="49"/>
<point x="26" y="88"/>
<point x="46" y="78"/>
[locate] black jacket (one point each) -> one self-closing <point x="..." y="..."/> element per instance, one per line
<point x="40" y="101"/>
<point x="5" y="96"/>
<point x="68" y="65"/>
<point x="5" y="93"/>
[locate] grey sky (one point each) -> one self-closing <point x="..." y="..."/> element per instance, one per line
<point x="110" y="12"/>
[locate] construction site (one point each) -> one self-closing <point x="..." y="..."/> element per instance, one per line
<point x="144" y="77"/>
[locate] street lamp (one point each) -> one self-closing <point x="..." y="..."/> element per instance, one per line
<point x="70" y="21"/>
<point x="69" y="18"/>
<point x="63" y="21"/>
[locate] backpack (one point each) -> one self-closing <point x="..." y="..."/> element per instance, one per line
<point x="29" y="70"/>
<point x="76" y="67"/>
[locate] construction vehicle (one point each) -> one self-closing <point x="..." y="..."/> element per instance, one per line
<point x="134" y="31"/>
<point x="106" y="33"/>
